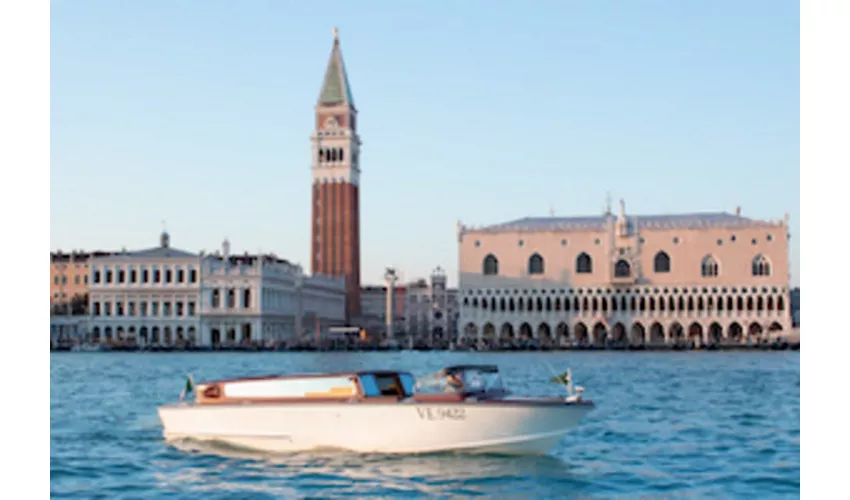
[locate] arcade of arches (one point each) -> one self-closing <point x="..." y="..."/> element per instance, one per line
<point x="764" y="301"/>
<point x="640" y="315"/>
<point x="166" y="335"/>
<point x="213" y="333"/>
<point x="171" y="335"/>
<point x="601" y="333"/>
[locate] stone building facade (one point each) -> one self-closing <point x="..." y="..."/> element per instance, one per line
<point x="622" y="279"/>
<point x="164" y="296"/>
<point x="431" y="309"/>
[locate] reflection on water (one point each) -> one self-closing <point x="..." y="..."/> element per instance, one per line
<point x="351" y="473"/>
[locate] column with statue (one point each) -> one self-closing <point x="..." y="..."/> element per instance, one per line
<point x="390" y="277"/>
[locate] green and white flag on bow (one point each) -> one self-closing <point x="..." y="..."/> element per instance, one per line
<point x="563" y="378"/>
<point x="188" y="388"/>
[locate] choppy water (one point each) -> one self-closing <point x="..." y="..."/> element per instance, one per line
<point x="667" y="424"/>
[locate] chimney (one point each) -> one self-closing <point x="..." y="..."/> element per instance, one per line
<point x="738" y="211"/>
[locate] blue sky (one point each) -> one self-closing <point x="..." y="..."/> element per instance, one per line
<point x="199" y="114"/>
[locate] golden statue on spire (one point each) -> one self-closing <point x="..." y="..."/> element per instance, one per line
<point x="335" y="31"/>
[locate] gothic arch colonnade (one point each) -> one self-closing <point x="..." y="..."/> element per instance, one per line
<point x="620" y="334"/>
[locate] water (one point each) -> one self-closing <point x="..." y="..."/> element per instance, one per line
<point x="704" y="425"/>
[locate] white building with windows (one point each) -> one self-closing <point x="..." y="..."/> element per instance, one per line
<point x="149" y="296"/>
<point x="259" y="298"/>
<point x="164" y="296"/>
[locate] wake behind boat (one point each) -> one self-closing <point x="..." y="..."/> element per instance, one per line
<point x="463" y="408"/>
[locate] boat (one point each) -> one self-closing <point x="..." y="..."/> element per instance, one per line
<point x="460" y="409"/>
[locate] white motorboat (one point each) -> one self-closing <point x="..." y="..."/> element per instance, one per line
<point x="462" y="409"/>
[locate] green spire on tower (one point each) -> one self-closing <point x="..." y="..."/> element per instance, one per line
<point x="335" y="88"/>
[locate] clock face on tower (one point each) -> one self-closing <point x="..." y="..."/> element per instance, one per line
<point x="331" y="123"/>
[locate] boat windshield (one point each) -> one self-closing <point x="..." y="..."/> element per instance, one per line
<point x="482" y="380"/>
<point x="467" y="380"/>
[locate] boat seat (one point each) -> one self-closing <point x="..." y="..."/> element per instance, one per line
<point x="448" y="397"/>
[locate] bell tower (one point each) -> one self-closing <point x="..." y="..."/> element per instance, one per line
<point x="335" y="169"/>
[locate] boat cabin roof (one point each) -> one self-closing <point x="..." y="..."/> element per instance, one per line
<point x="294" y="376"/>
<point x="362" y="385"/>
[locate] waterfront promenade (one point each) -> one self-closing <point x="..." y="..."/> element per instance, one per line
<point x="792" y="342"/>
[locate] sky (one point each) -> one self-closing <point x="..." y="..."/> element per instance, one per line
<point x="196" y="116"/>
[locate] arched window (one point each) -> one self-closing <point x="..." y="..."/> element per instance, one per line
<point x="321" y="155"/>
<point x="661" y="263"/>
<point x="341" y="155"/>
<point x="761" y="266"/>
<point x="710" y="269"/>
<point x="584" y="264"/>
<point x="491" y="265"/>
<point x="535" y="264"/>
<point x="622" y="269"/>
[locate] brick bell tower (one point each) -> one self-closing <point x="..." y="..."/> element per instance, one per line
<point x="336" y="180"/>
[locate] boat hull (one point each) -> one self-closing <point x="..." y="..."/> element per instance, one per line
<point x="475" y="428"/>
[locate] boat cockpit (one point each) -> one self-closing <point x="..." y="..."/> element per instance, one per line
<point x="385" y="384"/>
<point x="453" y="383"/>
<point x="465" y="381"/>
